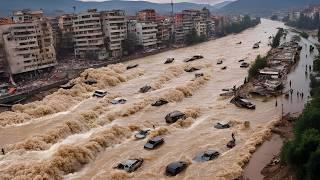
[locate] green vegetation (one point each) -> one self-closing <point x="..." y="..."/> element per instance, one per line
<point x="129" y="45"/>
<point x="306" y="22"/>
<point x="260" y="63"/>
<point x="277" y="39"/>
<point x="244" y="24"/>
<point x="302" y="153"/>
<point x="304" y="34"/>
<point x="316" y="64"/>
<point x="193" y="38"/>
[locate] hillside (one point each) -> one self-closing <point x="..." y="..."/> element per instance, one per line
<point x="131" y="7"/>
<point x="265" y="7"/>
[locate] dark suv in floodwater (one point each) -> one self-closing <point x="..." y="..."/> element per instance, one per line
<point x="154" y="142"/>
<point x="175" y="168"/>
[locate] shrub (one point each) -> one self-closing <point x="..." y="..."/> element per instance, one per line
<point x="260" y="63"/>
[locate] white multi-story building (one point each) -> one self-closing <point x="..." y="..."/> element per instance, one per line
<point x="145" y="32"/>
<point x="114" y="25"/>
<point x="88" y="35"/>
<point x="28" y="46"/>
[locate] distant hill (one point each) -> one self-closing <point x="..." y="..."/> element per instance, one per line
<point x="131" y="7"/>
<point x="265" y="7"/>
<point x="222" y="4"/>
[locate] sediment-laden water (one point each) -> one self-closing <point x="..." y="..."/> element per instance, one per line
<point x="74" y="136"/>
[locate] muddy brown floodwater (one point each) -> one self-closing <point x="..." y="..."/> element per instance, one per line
<point x="70" y="135"/>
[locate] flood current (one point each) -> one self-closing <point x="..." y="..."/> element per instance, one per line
<point x="71" y="135"/>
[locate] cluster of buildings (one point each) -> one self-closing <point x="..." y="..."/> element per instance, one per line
<point x="30" y="41"/>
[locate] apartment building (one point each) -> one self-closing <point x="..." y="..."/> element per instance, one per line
<point x="26" y="15"/>
<point x="146" y="15"/>
<point x="28" y="46"/>
<point x="164" y="31"/>
<point x="88" y="35"/>
<point x="27" y="42"/>
<point x="145" y="32"/>
<point x="65" y="23"/>
<point x="114" y="25"/>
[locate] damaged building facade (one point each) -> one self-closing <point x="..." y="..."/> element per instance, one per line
<point x="27" y="43"/>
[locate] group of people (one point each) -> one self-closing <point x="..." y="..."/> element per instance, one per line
<point x="299" y="94"/>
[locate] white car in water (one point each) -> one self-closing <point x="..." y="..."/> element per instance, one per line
<point x="99" y="93"/>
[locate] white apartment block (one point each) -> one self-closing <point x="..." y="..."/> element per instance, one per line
<point x="114" y="25"/>
<point x="28" y="46"/>
<point x="88" y="35"/>
<point x="146" y="33"/>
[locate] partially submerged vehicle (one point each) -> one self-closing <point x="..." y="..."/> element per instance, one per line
<point x="145" y="89"/>
<point x="207" y="155"/>
<point x="242" y="102"/>
<point x="197" y="75"/>
<point x="154" y="142"/>
<point x="142" y="134"/>
<point x="132" y="66"/>
<point x="191" y="69"/>
<point x="256" y="45"/>
<point x="160" y="102"/>
<point x="69" y="85"/>
<point x="241" y="60"/>
<point x="118" y="101"/>
<point x="175" y="168"/>
<point x="239" y="42"/>
<point x="195" y="57"/>
<point x="90" y="81"/>
<point x="174" y="116"/>
<point x="222" y="125"/>
<point x="244" y="65"/>
<point x="224" y="68"/>
<point x="99" y="93"/>
<point x="130" y="165"/>
<point x="169" y="61"/>
<point x="220" y="61"/>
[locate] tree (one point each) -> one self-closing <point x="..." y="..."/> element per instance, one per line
<point x="319" y="33"/>
<point x="276" y="40"/>
<point x="260" y="63"/>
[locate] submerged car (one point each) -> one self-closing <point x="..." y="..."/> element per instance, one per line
<point x="99" y="93"/>
<point x="174" y="116"/>
<point x="154" y="142"/>
<point x="256" y="45"/>
<point x="175" y="168"/>
<point x="207" y="155"/>
<point x="132" y="66"/>
<point x="191" y="69"/>
<point x="169" y="61"/>
<point x="142" y="134"/>
<point x="224" y="68"/>
<point x="69" y="85"/>
<point x="222" y="126"/>
<point x="145" y="89"/>
<point x="160" y="102"/>
<point x="118" y="101"/>
<point x="130" y="165"/>
<point x="241" y="60"/>
<point x="220" y="61"/>
<point x="244" y="65"/>
<point x="242" y="102"/>
<point x="197" y="75"/>
<point x="195" y="57"/>
<point x="90" y="81"/>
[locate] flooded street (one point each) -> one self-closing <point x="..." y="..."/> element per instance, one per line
<point x="76" y="136"/>
<point x="294" y="104"/>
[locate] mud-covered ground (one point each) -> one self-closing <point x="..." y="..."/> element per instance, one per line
<point x="71" y="135"/>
